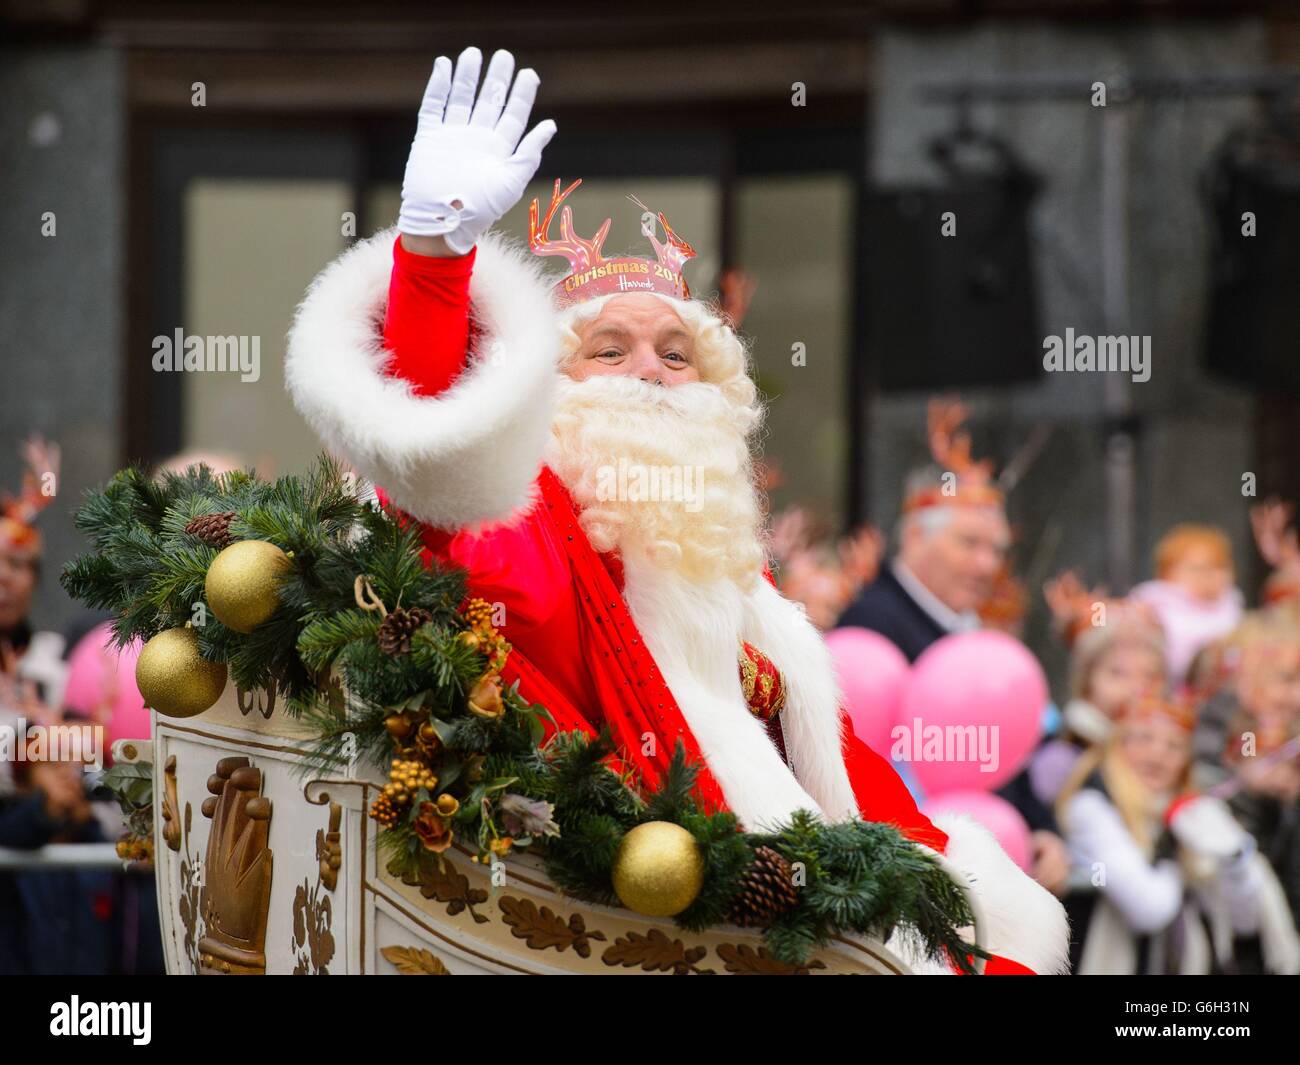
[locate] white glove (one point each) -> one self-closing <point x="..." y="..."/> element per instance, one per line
<point x="1206" y="827"/>
<point x="467" y="165"/>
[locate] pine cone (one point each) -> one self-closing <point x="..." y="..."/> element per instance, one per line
<point x="213" y="529"/>
<point x="396" y="630"/>
<point x="766" y="892"/>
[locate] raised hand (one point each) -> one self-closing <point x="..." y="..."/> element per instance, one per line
<point x="1275" y="535"/>
<point x="468" y="165"/>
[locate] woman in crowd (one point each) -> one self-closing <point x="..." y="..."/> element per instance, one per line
<point x="1248" y="738"/>
<point x="1178" y="885"/>
<point x="51" y="922"/>
<point x="66" y="921"/>
<point x="1117" y="656"/>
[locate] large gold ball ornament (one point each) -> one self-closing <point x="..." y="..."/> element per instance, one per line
<point x="658" y="870"/>
<point x="174" y="678"/>
<point x="241" y="584"/>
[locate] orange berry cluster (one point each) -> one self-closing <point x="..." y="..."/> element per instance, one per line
<point x="135" y="849"/>
<point x="406" y="777"/>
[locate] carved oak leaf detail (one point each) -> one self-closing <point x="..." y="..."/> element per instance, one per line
<point x="543" y="928"/>
<point x="412" y="961"/>
<point x="313" y="942"/>
<point x="655" y="952"/>
<point x="746" y="961"/>
<point x="300" y="914"/>
<point x="441" y="881"/>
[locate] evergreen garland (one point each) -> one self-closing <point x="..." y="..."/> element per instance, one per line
<point x="470" y="760"/>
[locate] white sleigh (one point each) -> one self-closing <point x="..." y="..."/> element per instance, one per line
<point x="290" y="880"/>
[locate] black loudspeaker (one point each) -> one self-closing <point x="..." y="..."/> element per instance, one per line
<point x="1253" y="333"/>
<point x="952" y="311"/>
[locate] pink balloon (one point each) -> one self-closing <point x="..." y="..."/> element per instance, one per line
<point x="873" y="675"/>
<point x="101" y="686"/>
<point x="972" y="713"/>
<point x="995" y="814"/>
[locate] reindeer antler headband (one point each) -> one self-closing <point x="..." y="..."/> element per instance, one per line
<point x="1076" y="608"/>
<point x="594" y="275"/>
<point x="962" y="479"/>
<point x="18" y="534"/>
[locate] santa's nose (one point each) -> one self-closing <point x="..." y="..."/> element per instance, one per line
<point x="647" y="366"/>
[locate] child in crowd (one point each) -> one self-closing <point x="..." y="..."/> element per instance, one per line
<point x="1194" y="594"/>
<point x="1117" y="656"/>
<point x="1248" y="743"/>
<point x="1178" y="885"/>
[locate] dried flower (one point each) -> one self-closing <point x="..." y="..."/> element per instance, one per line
<point x="433" y="829"/>
<point x="485" y="700"/>
<point x="522" y="816"/>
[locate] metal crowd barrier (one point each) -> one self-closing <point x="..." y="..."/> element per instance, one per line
<point x="64" y="856"/>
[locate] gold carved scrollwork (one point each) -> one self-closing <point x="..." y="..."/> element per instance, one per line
<point x="171" y="806"/>
<point x="260" y="699"/>
<point x="313" y="912"/>
<point x="237" y="880"/>
<point x="542" y="928"/>
<point x="329" y="849"/>
<point x="188" y="904"/>
<point x="654" y="952"/>
<point x="415" y="961"/>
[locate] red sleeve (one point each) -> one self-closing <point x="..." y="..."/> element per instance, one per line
<point x="882" y="795"/>
<point x="427" y="324"/>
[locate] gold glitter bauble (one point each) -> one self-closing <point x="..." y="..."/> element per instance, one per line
<point x="659" y="870"/>
<point x="240" y="586"/>
<point x="174" y="678"/>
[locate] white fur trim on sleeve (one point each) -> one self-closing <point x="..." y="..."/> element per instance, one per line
<point x="467" y="456"/>
<point x="1023" y="921"/>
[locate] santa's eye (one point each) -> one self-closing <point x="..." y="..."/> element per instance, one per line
<point x="609" y="353"/>
<point x="676" y="356"/>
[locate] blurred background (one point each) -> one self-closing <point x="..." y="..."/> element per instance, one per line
<point x="919" y="193"/>
<point x="203" y="162"/>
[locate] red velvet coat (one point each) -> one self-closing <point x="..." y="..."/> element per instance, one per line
<point x="430" y="433"/>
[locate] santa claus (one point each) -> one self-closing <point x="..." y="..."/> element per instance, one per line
<point x="583" y="451"/>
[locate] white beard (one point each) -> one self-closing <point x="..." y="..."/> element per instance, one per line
<point x="694" y="585"/>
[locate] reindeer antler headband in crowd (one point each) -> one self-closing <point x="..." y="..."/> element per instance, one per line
<point x="1176" y="710"/>
<point x="594" y="275"/>
<point x="18" y="534"/>
<point x="1076" y="608"/>
<point x="962" y="479"/>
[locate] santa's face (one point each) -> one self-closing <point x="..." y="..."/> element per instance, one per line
<point x="636" y="335"/>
